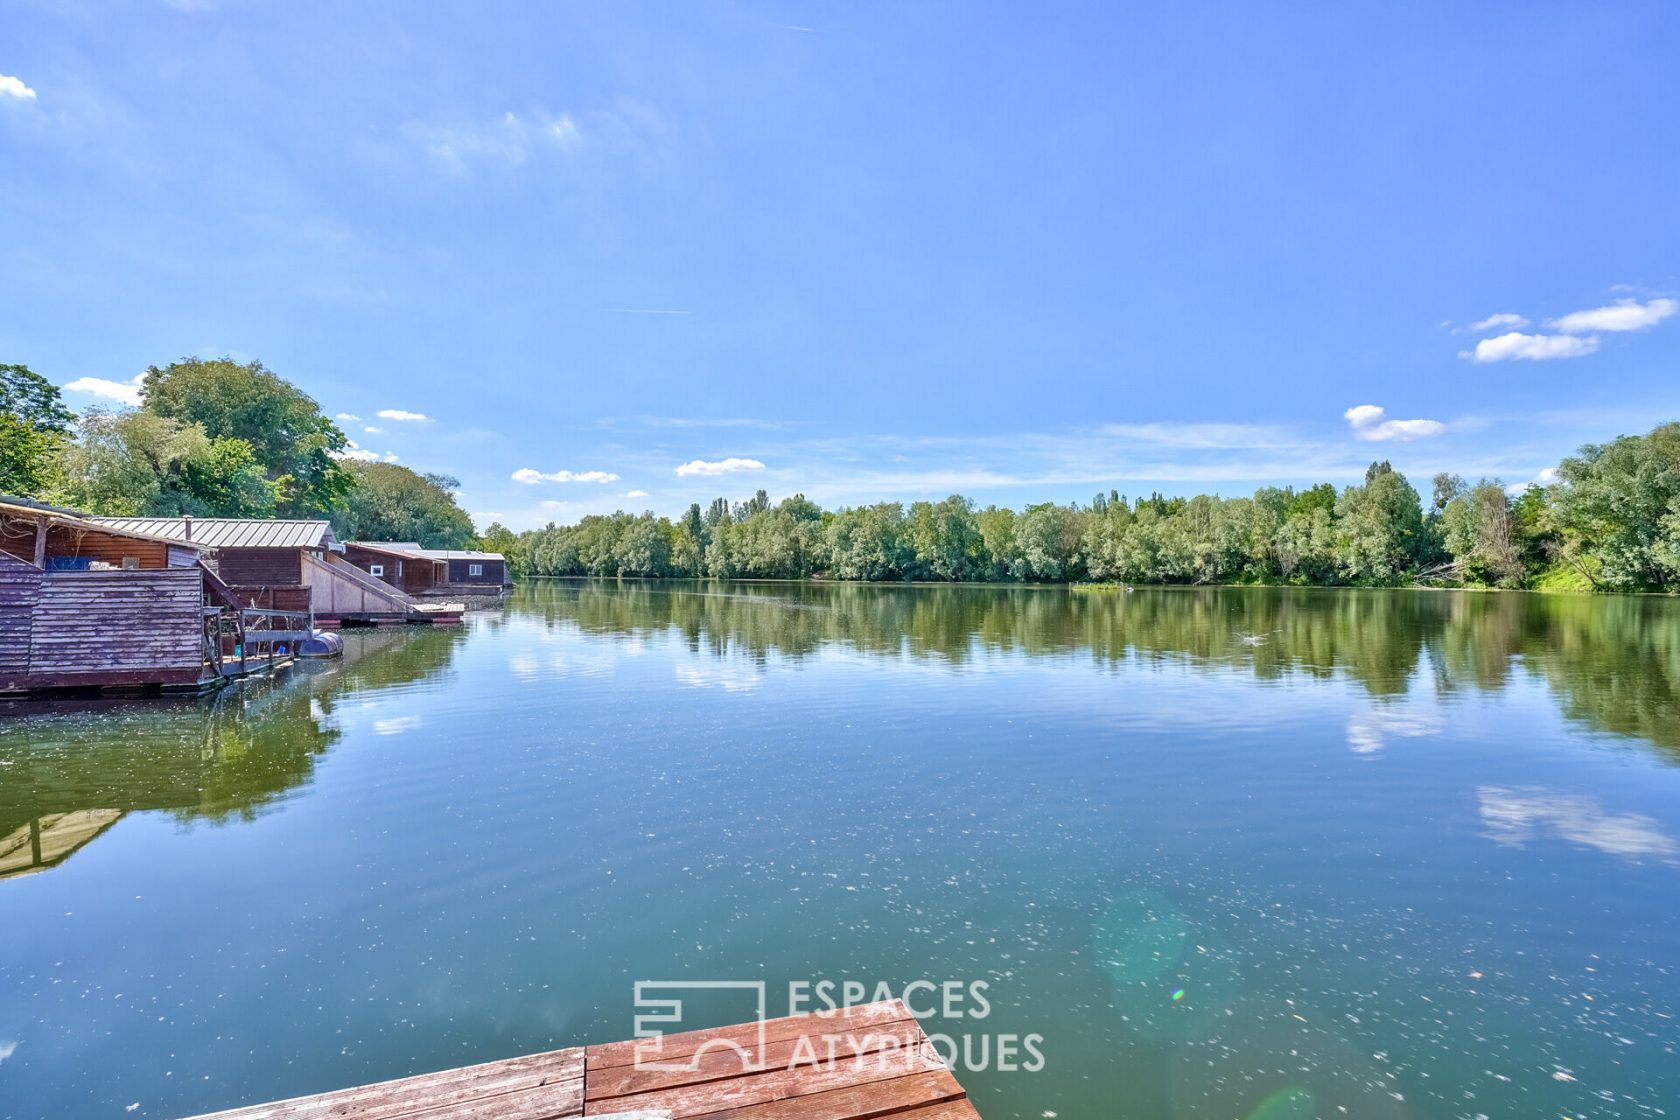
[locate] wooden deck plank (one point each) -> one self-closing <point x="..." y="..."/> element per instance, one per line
<point x="715" y="1065"/>
<point x="862" y="1063"/>
<point x="860" y="1102"/>
<point x="708" y="1097"/>
<point x="560" y="1070"/>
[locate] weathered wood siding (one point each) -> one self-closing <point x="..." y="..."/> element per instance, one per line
<point x="491" y="575"/>
<point x="260" y="567"/>
<point x="18" y="584"/>
<point x="17" y="537"/>
<point x="113" y="550"/>
<point x="413" y="574"/>
<point x="72" y="628"/>
<point x="94" y="621"/>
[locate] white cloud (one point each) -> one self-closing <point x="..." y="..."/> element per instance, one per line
<point x="7" y="1048"/>
<point x="372" y="431"/>
<point x="1202" y="435"/>
<point x="1368" y="423"/>
<point x="1533" y="347"/>
<point x="1623" y="315"/>
<point x="510" y="140"/>
<point x="348" y="417"/>
<point x="1515" y="816"/>
<point x="403" y="415"/>
<point x="14" y="87"/>
<point x="1505" y="320"/>
<point x="357" y="454"/>
<point x="721" y="466"/>
<point x="637" y="494"/>
<point x="124" y="392"/>
<point x="530" y="476"/>
<point x="1544" y="478"/>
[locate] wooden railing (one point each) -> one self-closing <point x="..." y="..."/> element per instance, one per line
<point x="239" y="639"/>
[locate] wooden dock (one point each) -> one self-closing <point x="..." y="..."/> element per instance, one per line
<point x="862" y="1062"/>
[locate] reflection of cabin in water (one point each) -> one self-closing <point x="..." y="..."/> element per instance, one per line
<point x="47" y="841"/>
<point x="430" y="571"/>
<point x="286" y="565"/>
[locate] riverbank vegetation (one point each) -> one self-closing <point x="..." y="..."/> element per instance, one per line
<point x="215" y="438"/>
<point x="1610" y="521"/>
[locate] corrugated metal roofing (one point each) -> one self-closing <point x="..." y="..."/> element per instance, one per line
<point x="74" y="520"/>
<point x="231" y="532"/>
<point x="409" y="548"/>
<point x="454" y="554"/>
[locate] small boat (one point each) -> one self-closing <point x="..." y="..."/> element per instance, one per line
<point x="321" y="644"/>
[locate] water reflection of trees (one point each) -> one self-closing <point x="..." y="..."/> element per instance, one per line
<point x="1612" y="662"/>
<point x="70" y="769"/>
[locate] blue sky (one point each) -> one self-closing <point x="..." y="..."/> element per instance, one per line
<point x="863" y="251"/>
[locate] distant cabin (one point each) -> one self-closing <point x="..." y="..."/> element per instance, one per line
<point x="430" y="571"/>
<point x="282" y="564"/>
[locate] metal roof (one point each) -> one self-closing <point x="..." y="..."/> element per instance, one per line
<point x="454" y="554"/>
<point x="231" y="532"/>
<point x="71" y="519"/>
<point x="409" y="548"/>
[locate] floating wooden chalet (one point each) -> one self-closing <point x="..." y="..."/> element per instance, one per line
<point x="288" y="565"/>
<point x="426" y="572"/>
<point x="869" y="1061"/>
<point x="86" y="604"/>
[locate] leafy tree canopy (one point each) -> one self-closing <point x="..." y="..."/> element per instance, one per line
<point x="133" y="464"/>
<point x="33" y="399"/>
<point x="292" y="440"/>
<point x="389" y="502"/>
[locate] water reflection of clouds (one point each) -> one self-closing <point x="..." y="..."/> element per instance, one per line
<point x="7" y="1048"/>
<point x="1516" y="815"/>
<point x="1369" y="731"/>
<point x="396" y="725"/>
<point x="730" y="678"/>
<point x="531" y="667"/>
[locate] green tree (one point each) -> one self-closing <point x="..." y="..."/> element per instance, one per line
<point x="1381" y="529"/>
<point x="140" y="464"/>
<point x="1481" y="534"/>
<point x="33" y="399"/>
<point x="33" y="427"/>
<point x="1048" y="537"/>
<point x="1617" y="510"/>
<point x="514" y="547"/>
<point x="291" y="438"/>
<point x="389" y="502"/>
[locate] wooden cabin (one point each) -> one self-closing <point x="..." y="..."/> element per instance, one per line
<point x="89" y="605"/>
<point x="284" y="565"/>
<point x="430" y="571"/>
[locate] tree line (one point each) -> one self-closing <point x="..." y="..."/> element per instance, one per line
<point x="1610" y="521"/>
<point x="214" y="438"/>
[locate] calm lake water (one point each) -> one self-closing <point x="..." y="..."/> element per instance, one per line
<point x="1397" y="854"/>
